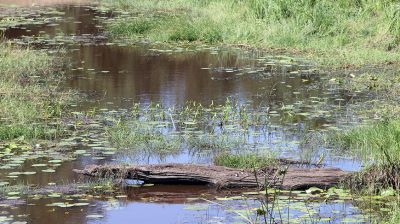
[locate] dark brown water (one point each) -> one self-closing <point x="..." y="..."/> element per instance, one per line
<point x="114" y="76"/>
<point x="42" y="2"/>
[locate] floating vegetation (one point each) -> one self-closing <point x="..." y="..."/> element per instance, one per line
<point x="13" y="17"/>
<point x="285" y="207"/>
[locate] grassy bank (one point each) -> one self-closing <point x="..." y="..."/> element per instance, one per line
<point x="394" y="217"/>
<point x="29" y="96"/>
<point x="378" y="143"/>
<point x="336" y="33"/>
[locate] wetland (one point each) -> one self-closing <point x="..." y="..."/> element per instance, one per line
<point x="113" y="84"/>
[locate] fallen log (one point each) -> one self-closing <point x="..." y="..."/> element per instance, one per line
<point x="221" y="177"/>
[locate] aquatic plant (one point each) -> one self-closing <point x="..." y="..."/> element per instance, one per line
<point x="13" y="191"/>
<point x="245" y="161"/>
<point x="377" y="143"/>
<point x="201" y="129"/>
<point x="143" y="137"/>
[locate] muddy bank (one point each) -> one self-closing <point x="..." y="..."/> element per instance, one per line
<point x="221" y="177"/>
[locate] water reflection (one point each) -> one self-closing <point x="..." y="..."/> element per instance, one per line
<point x="75" y="21"/>
<point x="43" y="2"/>
<point x="118" y="74"/>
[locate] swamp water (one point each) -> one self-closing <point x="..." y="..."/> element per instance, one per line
<point x="113" y="76"/>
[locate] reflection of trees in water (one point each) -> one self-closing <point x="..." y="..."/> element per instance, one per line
<point x="77" y="21"/>
<point x="37" y="211"/>
<point x="173" y="79"/>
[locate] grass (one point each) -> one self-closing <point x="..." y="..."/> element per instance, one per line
<point x="378" y="143"/>
<point x="12" y="190"/>
<point x="210" y="130"/>
<point x="378" y="146"/>
<point x="244" y="161"/>
<point x="225" y="133"/>
<point x="335" y="33"/>
<point x="143" y="137"/>
<point x="29" y="95"/>
<point x="394" y="217"/>
<point x="381" y="82"/>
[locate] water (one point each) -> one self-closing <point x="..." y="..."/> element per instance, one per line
<point x="114" y="76"/>
<point x="42" y="2"/>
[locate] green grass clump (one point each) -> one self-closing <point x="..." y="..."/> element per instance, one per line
<point x="29" y="96"/>
<point x="336" y="33"/>
<point x="179" y="29"/>
<point x="244" y="161"/>
<point x="19" y="189"/>
<point x="133" y="26"/>
<point x="394" y="217"/>
<point x="37" y="131"/>
<point x="143" y="137"/>
<point x="377" y="144"/>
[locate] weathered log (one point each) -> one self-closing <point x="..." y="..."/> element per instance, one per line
<point x="222" y="177"/>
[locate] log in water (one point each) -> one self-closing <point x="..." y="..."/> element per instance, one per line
<point x="221" y="177"/>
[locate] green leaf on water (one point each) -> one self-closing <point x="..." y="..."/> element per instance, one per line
<point x="39" y="165"/>
<point x="79" y="152"/>
<point x="55" y="161"/>
<point x="314" y="190"/>
<point x="81" y="204"/>
<point x="94" y="216"/>
<point x="13" y="198"/>
<point x="54" y="195"/>
<point x="14" y="173"/>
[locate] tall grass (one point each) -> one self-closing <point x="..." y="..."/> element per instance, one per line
<point x="334" y="32"/>
<point x="377" y="144"/>
<point x="198" y="129"/>
<point x="394" y="217"/>
<point x="28" y="93"/>
<point x="144" y="137"/>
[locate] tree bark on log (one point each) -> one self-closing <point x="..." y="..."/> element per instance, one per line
<point x="221" y="177"/>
